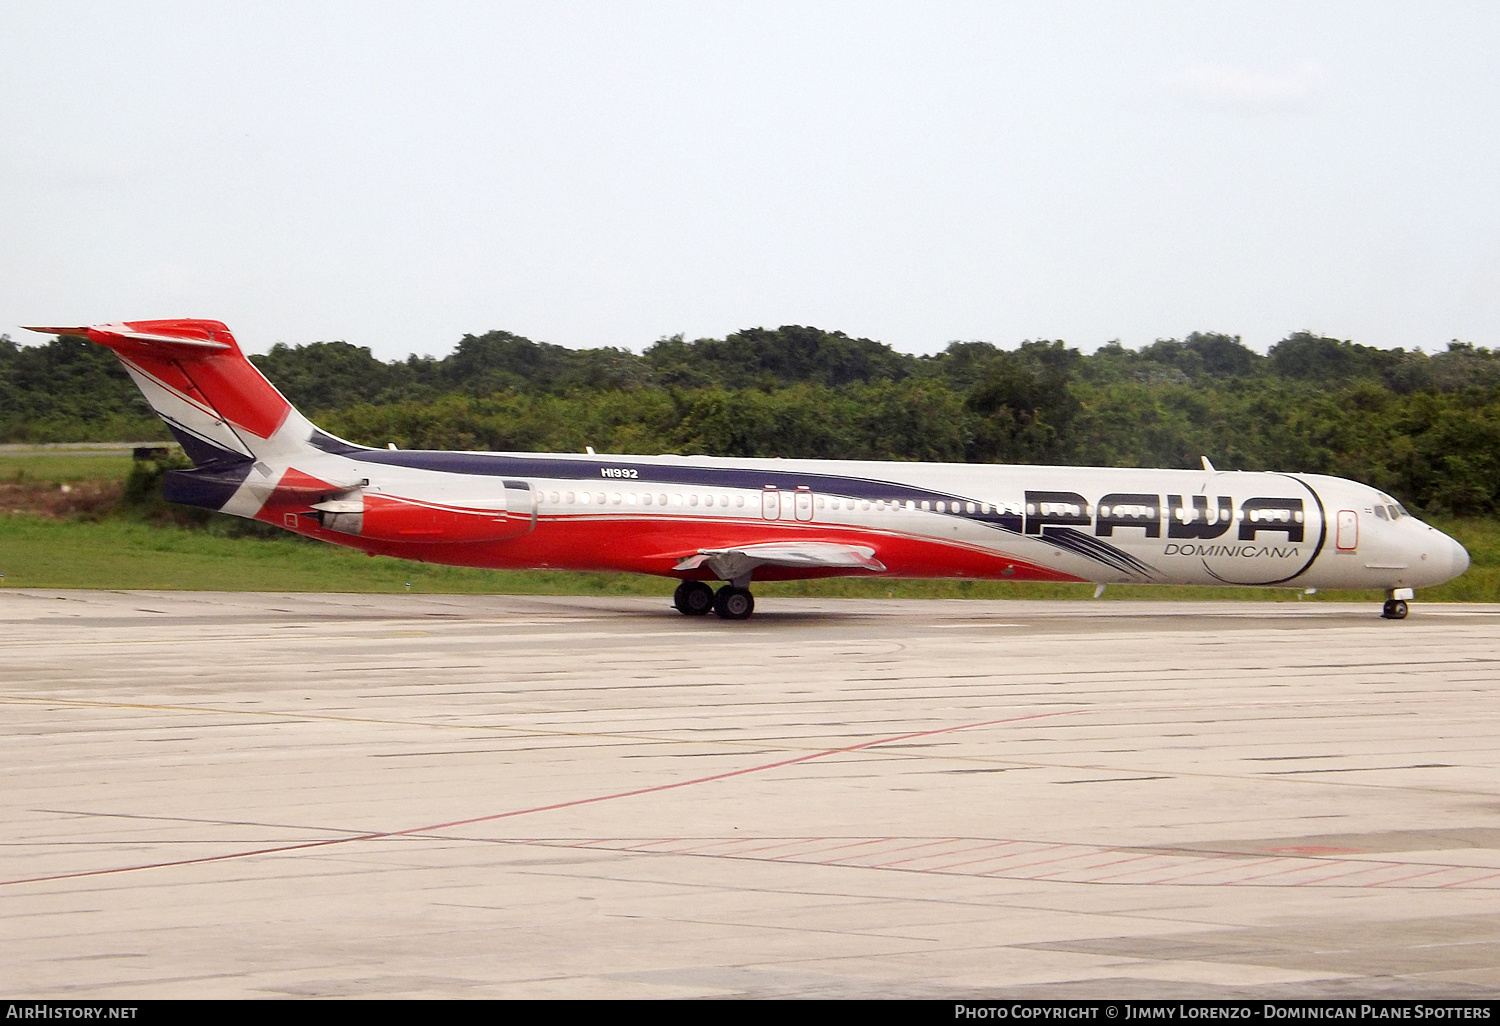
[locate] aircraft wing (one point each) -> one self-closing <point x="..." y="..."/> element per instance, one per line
<point x="733" y="564"/>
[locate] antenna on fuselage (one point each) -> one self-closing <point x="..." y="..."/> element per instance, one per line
<point x="1208" y="466"/>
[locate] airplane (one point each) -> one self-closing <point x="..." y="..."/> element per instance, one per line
<point x="702" y="519"/>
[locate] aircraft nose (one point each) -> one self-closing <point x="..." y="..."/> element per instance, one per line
<point x="1460" y="558"/>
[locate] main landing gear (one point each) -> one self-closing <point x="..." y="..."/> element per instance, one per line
<point x="694" y="598"/>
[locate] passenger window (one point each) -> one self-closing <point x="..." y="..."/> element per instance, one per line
<point x="692" y="500"/>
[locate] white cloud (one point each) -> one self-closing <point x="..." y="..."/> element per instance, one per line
<point x="1220" y="85"/>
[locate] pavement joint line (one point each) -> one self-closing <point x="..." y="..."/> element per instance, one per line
<point x="575" y="803"/>
<point x="520" y="732"/>
<point x="1309" y="863"/>
<point x="191" y="819"/>
<point x="778" y="744"/>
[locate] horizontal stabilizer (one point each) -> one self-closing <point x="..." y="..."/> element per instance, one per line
<point x="104" y="333"/>
<point x="72" y="332"/>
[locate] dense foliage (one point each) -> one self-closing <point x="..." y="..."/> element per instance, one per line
<point x="1424" y="427"/>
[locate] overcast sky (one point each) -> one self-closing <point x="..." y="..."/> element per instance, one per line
<point x="608" y="173"/>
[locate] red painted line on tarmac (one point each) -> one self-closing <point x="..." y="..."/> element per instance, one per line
<point x="553" y="807"/>
<point x="1414" y="876"/>
<point x="913" y="847"/>
<point x="851" y="844"/>
<point x="1353" y="872"/>
<point x="1176" y="879"/>
<point x="736" y="848"/>
<point x="1300" y="868"/>
<point x="1102" y="865"/>
<point x="1044" y="862"/>
<point x="690" y="846"/>
<point x="741" y="852"/>
<point x="646" y="844"/>
<point x="938" y="855"/>
<point x="583" y="843"/>
<point x="987" y="858"/>
<point x="1455" y="883"/>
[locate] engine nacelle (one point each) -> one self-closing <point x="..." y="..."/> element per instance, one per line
<point x="388" y="518"/>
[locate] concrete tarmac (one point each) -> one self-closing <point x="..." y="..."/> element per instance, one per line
<point x="257" y="795"/>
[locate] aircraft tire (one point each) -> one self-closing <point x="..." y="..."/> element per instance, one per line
<point x="1394" y="609"/>
<point x="693" y="598"/>
<point x="733" y="603"/>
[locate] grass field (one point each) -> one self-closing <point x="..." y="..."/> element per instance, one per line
<point x="53" y="466"/>
<point x="120" y="553"/>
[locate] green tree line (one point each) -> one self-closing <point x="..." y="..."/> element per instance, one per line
<point x="1424" y="427"/>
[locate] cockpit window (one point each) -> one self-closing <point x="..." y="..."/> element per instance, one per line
<point x="1380" y="513"/>
<point x="1399" y="510"/>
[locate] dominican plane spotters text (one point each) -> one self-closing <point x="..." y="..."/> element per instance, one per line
<point x="699" y="519"/>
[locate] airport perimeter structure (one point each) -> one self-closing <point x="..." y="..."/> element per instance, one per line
<point x="215" y="795"/>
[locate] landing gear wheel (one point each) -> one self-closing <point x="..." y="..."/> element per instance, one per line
<point x="693" y="598"/>
<point x="734" y="603"/>
<point x="1394" y="609"/>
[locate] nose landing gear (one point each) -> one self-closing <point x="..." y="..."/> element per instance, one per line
<point x="1395" y="604"/>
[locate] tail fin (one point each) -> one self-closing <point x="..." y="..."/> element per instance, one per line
<point x="222" y="410"/>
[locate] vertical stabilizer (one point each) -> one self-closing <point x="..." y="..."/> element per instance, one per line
<point x="219" y="407"/>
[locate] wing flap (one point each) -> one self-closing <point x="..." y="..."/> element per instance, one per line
<point x="737" y="563"/>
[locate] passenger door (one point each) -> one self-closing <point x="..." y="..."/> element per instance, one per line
<point x="1348" y="530"/>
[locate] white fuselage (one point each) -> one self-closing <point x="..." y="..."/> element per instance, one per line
<point x="1104" y="525"/>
